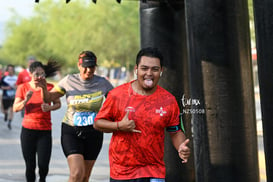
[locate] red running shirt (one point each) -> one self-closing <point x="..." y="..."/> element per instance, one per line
<point x="138" y="155"/>
<point x="34" y="117"/>
<point x="23" y="77"/>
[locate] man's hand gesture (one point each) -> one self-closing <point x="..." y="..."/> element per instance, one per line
<point x="127" y="125"/>
<point x="184" y="151"/>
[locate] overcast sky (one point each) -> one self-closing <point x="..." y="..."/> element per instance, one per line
<point x="22" y="7"/>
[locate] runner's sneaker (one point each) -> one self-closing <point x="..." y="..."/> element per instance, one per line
<point x="9" y="125"/>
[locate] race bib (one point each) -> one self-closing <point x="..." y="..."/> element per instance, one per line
<point x="84" y="118"/>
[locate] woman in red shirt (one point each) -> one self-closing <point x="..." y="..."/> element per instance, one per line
<point x="36" y="134"/>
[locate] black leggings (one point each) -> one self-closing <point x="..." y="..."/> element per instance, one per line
<point x="36" y="142"/>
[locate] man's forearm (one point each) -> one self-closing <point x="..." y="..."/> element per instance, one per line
<point x="177" y="138"/>
<point x="106" y="126"/>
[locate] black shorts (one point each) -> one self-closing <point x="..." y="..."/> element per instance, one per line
<point x="83" y="140"/>
<point x="7" y="103"/>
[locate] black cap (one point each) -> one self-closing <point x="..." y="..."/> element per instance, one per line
<point x="88" y="62"/>
<point x="87" y="59"/>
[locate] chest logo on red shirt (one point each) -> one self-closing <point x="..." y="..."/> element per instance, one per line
<point x="160" y="111"/>
<point x="130" y="109"/>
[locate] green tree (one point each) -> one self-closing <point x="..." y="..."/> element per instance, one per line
<point x="251" y="23"/>
<point x="63" y="30"/>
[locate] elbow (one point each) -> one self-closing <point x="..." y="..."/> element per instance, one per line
<point x="100" y="125"/>
<point x="95" y="125"/>
<point x="59" y="106"/>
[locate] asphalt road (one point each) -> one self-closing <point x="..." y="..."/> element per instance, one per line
<point x="12" y="165"/>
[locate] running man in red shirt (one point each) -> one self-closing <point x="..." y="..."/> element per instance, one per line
<point x="137" y="113"/>
<point x="24" y="75"/>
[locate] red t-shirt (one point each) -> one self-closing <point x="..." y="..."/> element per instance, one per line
<point x="34" y="117"/>
<point x="138" y="155"/>
<point x="23" y="77"/>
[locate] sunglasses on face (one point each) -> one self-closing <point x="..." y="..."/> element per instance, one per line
<point x="39" y="75"/>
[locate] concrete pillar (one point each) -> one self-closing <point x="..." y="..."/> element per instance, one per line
<point x="225" y="140"/>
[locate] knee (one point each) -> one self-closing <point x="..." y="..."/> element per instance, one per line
<point x="43" y="168"/>
<point x="30" y="167"/>
<point x="77" y="175"/>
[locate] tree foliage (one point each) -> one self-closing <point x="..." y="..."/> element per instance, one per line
<point x="251" y="23"/>
<point x="62" y="31"/>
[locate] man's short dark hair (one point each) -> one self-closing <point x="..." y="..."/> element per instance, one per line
<point x="10" y="65"/>
<point x="150" y="52"/>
